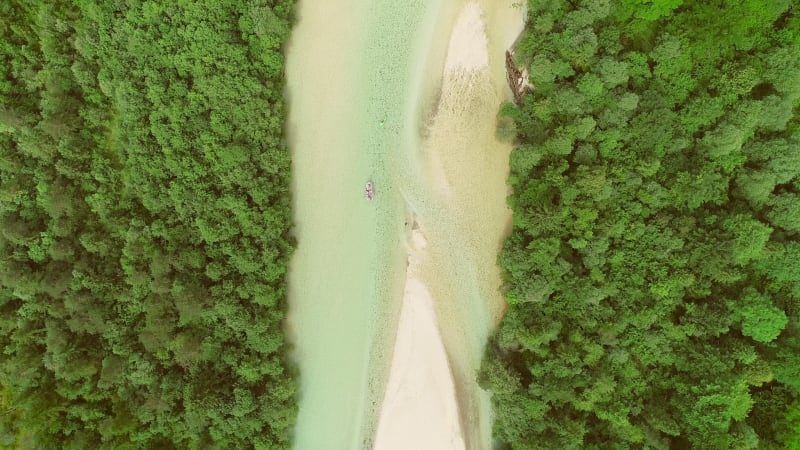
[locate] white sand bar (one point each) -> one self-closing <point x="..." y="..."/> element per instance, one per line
<point x="420" y="410"/>
<point x="468" y="49"/>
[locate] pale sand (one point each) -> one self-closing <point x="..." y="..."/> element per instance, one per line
<point x="432" y="400"/>
<point x="419" y="409"/>
<point x="468" y="44"/>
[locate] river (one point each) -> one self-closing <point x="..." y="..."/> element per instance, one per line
<point x="365" y="91"/>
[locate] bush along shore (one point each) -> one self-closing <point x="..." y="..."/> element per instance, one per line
<point x="652" y="273"/>
<point x="144" y="225"/>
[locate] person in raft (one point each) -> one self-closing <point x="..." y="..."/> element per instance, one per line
<point x="370" y="190"/>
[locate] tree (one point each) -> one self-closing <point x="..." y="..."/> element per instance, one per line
<point x="651" y="270"/>
<point x="785" y="212"/>
<point x="119" y="238"/>
<point x="761" y="320"/>
<point x="750" y="237"/>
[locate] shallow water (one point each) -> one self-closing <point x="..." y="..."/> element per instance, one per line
<point x="364" y="79"/>
<point x="350" y="73"/>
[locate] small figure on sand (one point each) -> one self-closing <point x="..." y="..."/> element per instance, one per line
<point x="370" y="191"/>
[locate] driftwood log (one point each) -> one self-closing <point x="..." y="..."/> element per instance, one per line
<point x="517" y="79"/>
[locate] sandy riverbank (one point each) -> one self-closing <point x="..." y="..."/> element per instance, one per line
<point x="419" y="409"/>
<point x="432" y="400"/>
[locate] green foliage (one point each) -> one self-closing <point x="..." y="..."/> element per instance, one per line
<point x="761" y="320"/>
<point x="650" y="10"/>
<point x="144" y="225"/>
<point x="651" y="273"/>
<point x="749" y="237"/>
<point x="785" y="212"/>
<point x="792" y="439"/>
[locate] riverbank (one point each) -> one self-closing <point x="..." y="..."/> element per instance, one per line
<point x="458" y="198"/>
<point x="419" y="410"/>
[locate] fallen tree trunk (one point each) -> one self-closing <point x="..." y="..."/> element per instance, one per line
<point x="517" y="79"/>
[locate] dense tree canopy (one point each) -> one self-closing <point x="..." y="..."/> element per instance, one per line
<point x="143" y="225"/>
<point x="652" y="271"/>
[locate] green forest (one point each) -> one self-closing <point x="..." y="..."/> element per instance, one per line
<point x="652" y="272"/>
<point x="144" y="221"/>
